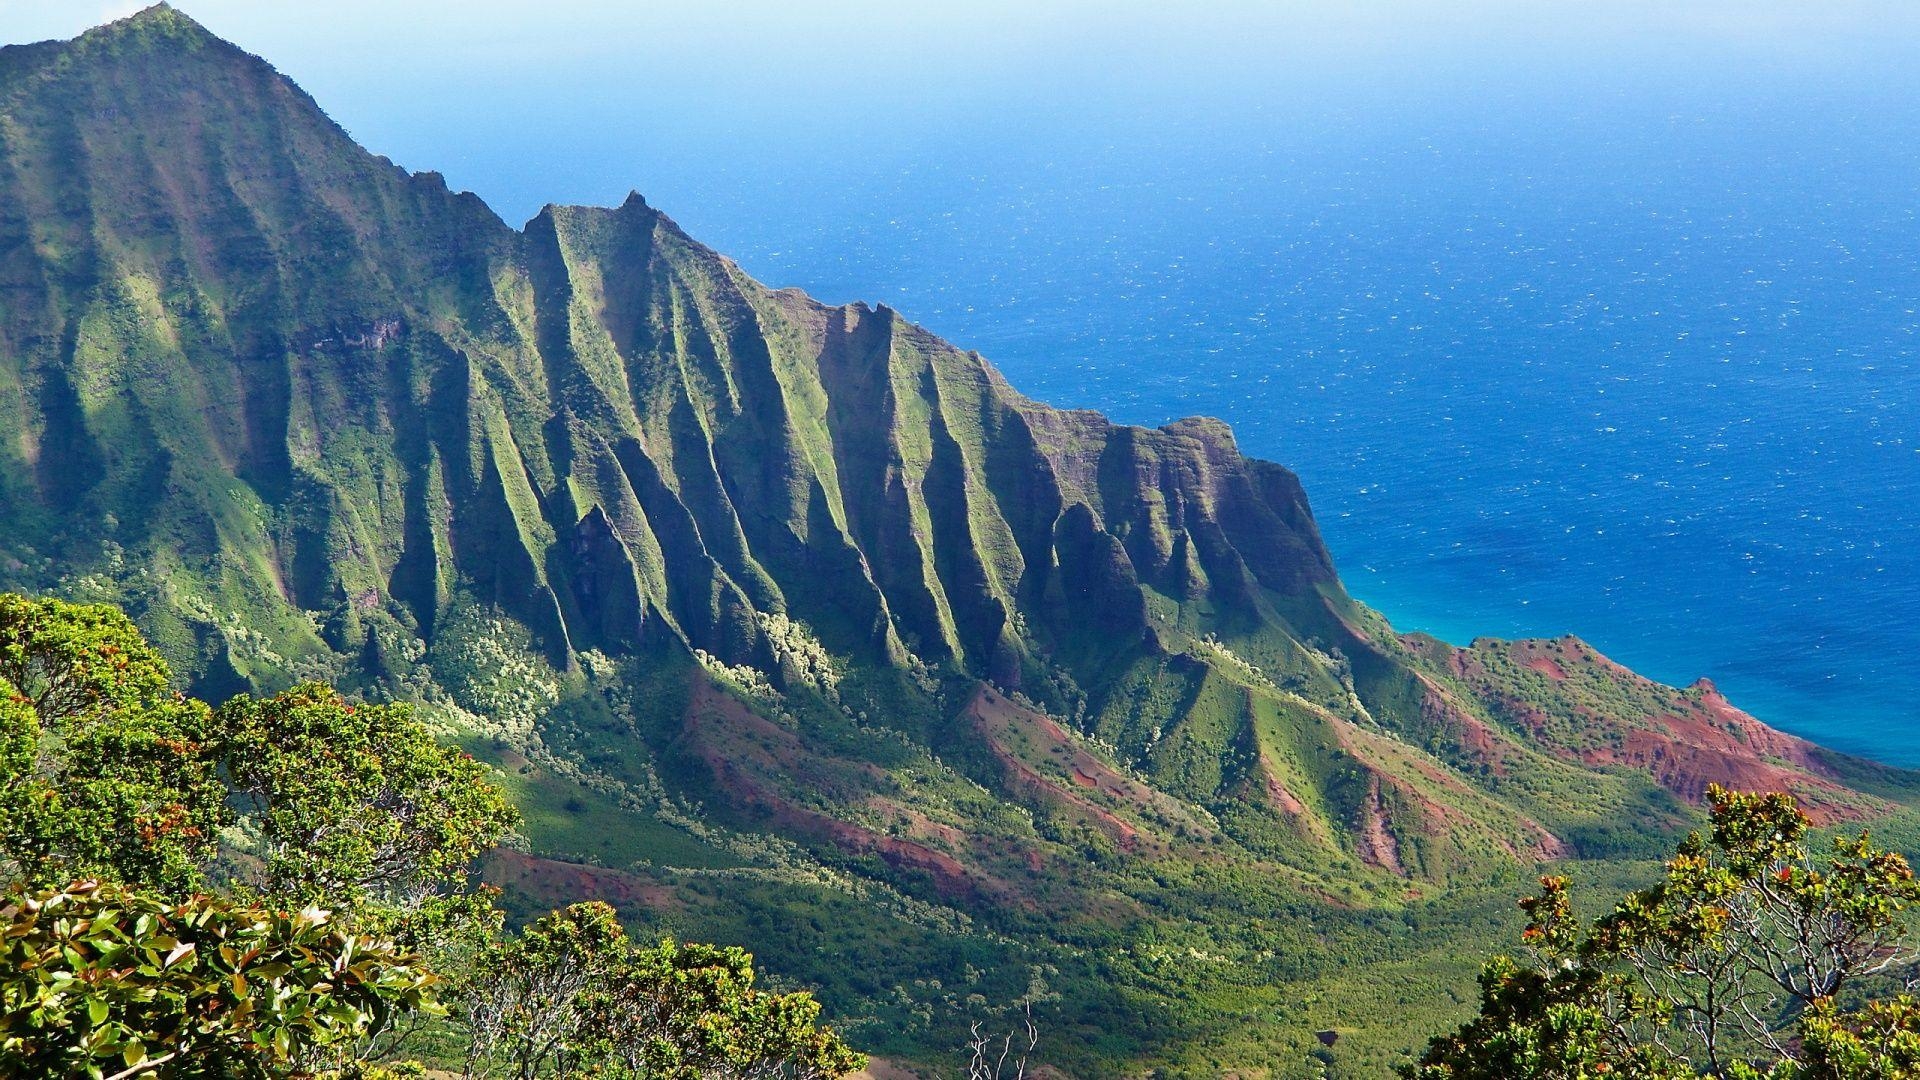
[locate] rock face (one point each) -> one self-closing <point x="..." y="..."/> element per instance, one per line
<point x="360" y="386"/>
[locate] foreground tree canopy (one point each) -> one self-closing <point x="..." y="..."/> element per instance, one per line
<point x="104" y="769"/>
<point x="1756" y="956"/>
<point x="282" y="885"/>
<point x="100" y="980"/>
<point x="573" y="994"/>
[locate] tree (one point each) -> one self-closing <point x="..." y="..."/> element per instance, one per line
<point x="107" y="982"/>
<point x="354" y="804"/>
<point x="524" y="1001"/>
<point x="346" y="837"/>
<point x="104" y="769"/>
<point x="690" y="1012"/>
<point x="357" y="808"/>
<point x="573" y="995"/>
<point x="1880" y="1042"/>
<point x="304" y="800"/>
<point x="1734" y="965"/>
<point x="991" y="1055"/>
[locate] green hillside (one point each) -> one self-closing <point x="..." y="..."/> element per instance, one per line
<point x="793" y="626"/>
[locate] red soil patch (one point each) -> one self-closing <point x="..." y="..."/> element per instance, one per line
<point x="712" y="725"/>
<point x="1475" y="740"/>
<point x="1436" y="816"/>
<point x="1686" y="744"/>
<point x="555" y="883"/>
<point x="1548" y="666"/>
<point x="884" y="1069"/>
<point x="1715" y="743"/>
<point x="998" y="719"/>
<point x="995" y="715"/>
<point x="1375" y="843"/>
<point x="1278" y="794"/>
<point x="917" y="824"/>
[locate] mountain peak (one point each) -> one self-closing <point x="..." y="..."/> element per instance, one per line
<point x="157" y="23"/>
<point x="159" y="30"/>
<point x="150" y="27"/>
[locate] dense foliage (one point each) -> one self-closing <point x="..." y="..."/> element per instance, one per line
<point x="353" y="804"/>
<point x="572" y="993"/>
<point x="1746" y="960"/>
<point x="104" y="768"/>
<point x="101" y="980"/>
<point x="346" y="837"/>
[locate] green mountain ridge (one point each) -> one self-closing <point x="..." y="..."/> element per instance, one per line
<point x="790" y="624"/>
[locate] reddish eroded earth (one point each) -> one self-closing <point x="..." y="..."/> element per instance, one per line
<point x="1474" y="739"/>
<point x="1375" y="843"/>
<point x="1010" y="728"/>
<point x="1685" y="740"/>
<point x="1715" y="743"/>
<point x="554" y="883"/>
<point x="754" y="761"/>
<point x="1548" y="666"/>
<point x="1278" y="794"/>
<point x="1436" y="815"/>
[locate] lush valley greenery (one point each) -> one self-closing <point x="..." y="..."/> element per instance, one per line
<point x="787" y="626"/>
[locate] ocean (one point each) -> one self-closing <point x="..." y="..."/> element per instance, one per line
<point x="1641" y="375"/>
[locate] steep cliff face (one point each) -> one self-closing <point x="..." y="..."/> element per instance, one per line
<point x="368" y="389"/>
<point x="744" y="564"/>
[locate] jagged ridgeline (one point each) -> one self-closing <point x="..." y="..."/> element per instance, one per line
<point x="742" y="587"/>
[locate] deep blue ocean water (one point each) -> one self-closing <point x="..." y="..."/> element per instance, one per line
<point x="1647" y="377"/>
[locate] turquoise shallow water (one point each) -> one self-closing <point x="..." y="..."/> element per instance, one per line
<point x="1648" y="378"/>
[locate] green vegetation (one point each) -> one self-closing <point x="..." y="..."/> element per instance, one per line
<point x="348" y="804"/>
<point x="346" y="836"/>
<point x="571" y="995"/>
<point x="1736" y="964"/>
<point x="107" y="768"/>
<point x="102" y="980"/>
<point x="784" y="625"/>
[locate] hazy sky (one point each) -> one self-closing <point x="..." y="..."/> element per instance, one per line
<point x="566" y="100"/>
